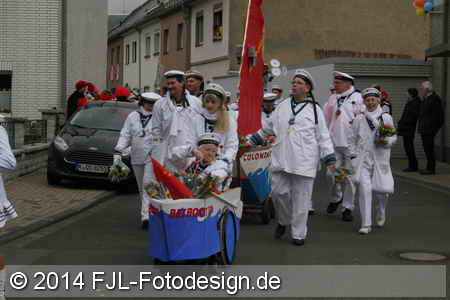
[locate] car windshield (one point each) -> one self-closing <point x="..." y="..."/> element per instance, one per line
<point x="100" y="117"/>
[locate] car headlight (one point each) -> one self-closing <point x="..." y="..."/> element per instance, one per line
<point x="61" y="144"/>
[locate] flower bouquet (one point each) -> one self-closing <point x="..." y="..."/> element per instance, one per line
<point x="202" y="186"/>
<point x="244" y="142"/>
<point x="156" y="190"/>
<point x="118" y="172"/>
<point x="341" y="174"/>
<point x="384" y="132"/>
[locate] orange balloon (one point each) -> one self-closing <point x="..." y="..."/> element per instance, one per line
<point x="419" y="3"/>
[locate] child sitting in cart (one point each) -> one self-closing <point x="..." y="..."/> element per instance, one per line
<point x="202" y="161"/>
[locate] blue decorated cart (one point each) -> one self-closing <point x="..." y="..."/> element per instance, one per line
<point x="253" y="176"/>
<point x="190" y="229"/>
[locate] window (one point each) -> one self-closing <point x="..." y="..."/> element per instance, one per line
<point x="218" y="23"/>
<point x="148" y="45"/>
<point x="5" y="91"/>
<point x="157" y="40"/>
<point x="199" y="29"/>
<point x="180" y="36"/>
<point x="166" y="41"/>
<point x="118" y="55"/>
<point x="134" y="52"/>
<point x="127" y="55"/>
<point x="111" y="59"/>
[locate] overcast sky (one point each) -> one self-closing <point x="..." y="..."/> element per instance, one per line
<point x="123" y="7"/>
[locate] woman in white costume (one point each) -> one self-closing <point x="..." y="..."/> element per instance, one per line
<point x="372" y="163"/>
<point x="301" y="140"/>
<point x="7" y="211"/>
<point x="136" y="132"/>
<point x="213" y="118"/>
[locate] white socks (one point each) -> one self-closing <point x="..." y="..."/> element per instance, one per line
<point x="2" y="283"/>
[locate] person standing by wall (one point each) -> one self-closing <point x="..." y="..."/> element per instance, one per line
<point x="407" y="128"/>
<point x="431" y="119"/>
<point x="79" y="93"/>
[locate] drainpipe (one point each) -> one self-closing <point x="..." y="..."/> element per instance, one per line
<point x="63" y="58"/>
<point x="445" y="32"/>
<point x="140" y="58"/>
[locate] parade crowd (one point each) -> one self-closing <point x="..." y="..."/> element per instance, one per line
<point x="190" y="127"/>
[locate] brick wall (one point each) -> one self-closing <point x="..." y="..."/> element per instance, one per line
<point x="29" y="47"/>
<point x="29" y="159"/>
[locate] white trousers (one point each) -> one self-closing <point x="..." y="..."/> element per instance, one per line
<point x="341" y="190"/>
<point x="139" y="174"/>
<point x="292" y="197"/>
<point x="366" y="197"/>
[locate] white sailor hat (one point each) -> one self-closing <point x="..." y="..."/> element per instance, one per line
<point x="343" y="76"/>
<point x="215" y="89"/>
<point x="305" y="75"/>
<point x="227" y="94"/>
<point x="277" y="87"/>
<point x="209" y="138"/>
<point x="194" y="74"/>
<point x="150" y="97"/>
<point x="371" y="92"/>
<point x="174" y="73"/>
<point x="270" y="97"/>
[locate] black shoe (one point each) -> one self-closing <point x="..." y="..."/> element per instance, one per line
<point x="427" y="172"/>
<point x="280" y="231"/>
<point x="410" y="170"/>
<point x="144" y="225"/>
<point x="311" y="213"/>
<point x="298" y="242"/>
<point x="347" y="215"/>
<point x="333" y="206"/>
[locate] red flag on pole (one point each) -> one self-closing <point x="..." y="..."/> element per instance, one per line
<point x="251" y="85"/>
<point x="177" y="189"/>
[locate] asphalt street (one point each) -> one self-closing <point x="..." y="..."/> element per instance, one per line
<point x="109" y="234"/>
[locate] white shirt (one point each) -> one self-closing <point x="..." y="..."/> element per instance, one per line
<point x="171" y="124"/>
<point x="139" y="138"/>
<point x="7" y="163"/>
<point x="298" y="147"/>
<point x="340" y="111"/>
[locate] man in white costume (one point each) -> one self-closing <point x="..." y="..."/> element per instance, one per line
<point x="301" y="141"/>
<point x="172" y="118"/>
<point x="340" y="111"/>
<point x="372" y="163"/>
<point x="7" y="211"/>
<point x="137" y="133"/>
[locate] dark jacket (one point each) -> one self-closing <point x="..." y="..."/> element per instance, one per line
<point x="431" y="116"/>
<point x="408" y="122"/>
<point x="72" y="103"/>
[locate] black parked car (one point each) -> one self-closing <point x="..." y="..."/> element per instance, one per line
<point x="84" y="148"/>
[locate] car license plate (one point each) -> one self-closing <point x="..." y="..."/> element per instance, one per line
<point x="92" y="169"/>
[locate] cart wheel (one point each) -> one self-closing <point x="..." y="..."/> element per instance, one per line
<point x="228" y="238"/>
<point x="266" y="214"/>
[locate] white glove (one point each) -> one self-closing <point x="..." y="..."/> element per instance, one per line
<point x="117" y="159"/>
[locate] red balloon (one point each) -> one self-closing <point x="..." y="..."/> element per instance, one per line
<point x="419" y="3"/>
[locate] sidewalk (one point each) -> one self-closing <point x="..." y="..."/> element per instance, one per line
<point x="39" y="205"/>
<point x="440" y="181"/>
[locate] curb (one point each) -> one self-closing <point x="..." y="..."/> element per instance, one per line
<point x="48" y="221"/>
<point x="445" y="189"/>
